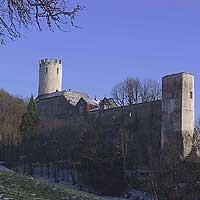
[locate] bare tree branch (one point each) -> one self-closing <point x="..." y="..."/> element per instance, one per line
<point x="18" y="14"/>
<point x="150" y="91"/>
<point x="119" y="92"/>
<point x="132" y="91"/>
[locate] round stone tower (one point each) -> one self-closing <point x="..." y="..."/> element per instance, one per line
<point x="50" y="76"/>
<point x="178" y="112"/>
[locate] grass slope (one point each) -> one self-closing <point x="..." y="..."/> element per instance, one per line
<point x="17" y="187"/>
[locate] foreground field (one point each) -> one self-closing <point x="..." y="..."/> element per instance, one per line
<point x="17" y="187"/>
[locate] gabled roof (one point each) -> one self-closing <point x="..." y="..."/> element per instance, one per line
<point x="109" y="101"/>
<point x="72" y="97"/>
<point x="92" y="102"/>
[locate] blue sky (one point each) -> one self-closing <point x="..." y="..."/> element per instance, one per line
<point x="118" y="39"/>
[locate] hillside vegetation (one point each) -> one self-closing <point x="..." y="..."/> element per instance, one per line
<point x="12" y="109"/>
<point x="13" y="186"/>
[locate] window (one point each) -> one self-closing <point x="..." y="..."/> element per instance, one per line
<point x="46" y="70"/>
<point x="191" y="95"/>
<point x="57" y="71"/>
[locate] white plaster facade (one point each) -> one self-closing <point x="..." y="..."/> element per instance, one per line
<point x="50" y="76"/>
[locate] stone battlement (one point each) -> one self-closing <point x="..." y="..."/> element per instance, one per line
<point x="51" y="61"/>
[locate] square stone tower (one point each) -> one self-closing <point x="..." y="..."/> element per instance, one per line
<point x="177" y="127"/>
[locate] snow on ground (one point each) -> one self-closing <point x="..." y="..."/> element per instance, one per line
<point x="14" y="186"/>
<point x="133" y="195"/>
<point x="3" y="168"/>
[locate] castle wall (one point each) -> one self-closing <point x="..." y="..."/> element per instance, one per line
<point x="142" y="113"/>
<point x="142" y="120"/>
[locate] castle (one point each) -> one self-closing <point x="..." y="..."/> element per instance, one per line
<point x="156" y="124"/>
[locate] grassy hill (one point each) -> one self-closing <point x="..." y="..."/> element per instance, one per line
<point x="17" y="187"/>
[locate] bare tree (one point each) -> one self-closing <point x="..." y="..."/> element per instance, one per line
<point x="119" y="93"/>
<point x="132" y="91"/>
<point x="11" y="111"/>
<point x="150" y="91"/>
<point x="18" y="14"/>
<point x="122" y="147"/>
<point x="198" y="125"/>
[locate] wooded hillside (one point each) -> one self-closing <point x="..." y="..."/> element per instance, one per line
<point x="11" y="110"/>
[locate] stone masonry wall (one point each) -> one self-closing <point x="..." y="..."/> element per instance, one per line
<point x="143" y="120"/>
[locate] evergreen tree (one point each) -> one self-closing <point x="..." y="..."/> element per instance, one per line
<point x="28" y="130"/>
<point x="30" y="119"/>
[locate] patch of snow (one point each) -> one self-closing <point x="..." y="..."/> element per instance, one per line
<point x="3" y="168"/>
<point x="68" y="181"/>
<point x="132" y="195"/>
